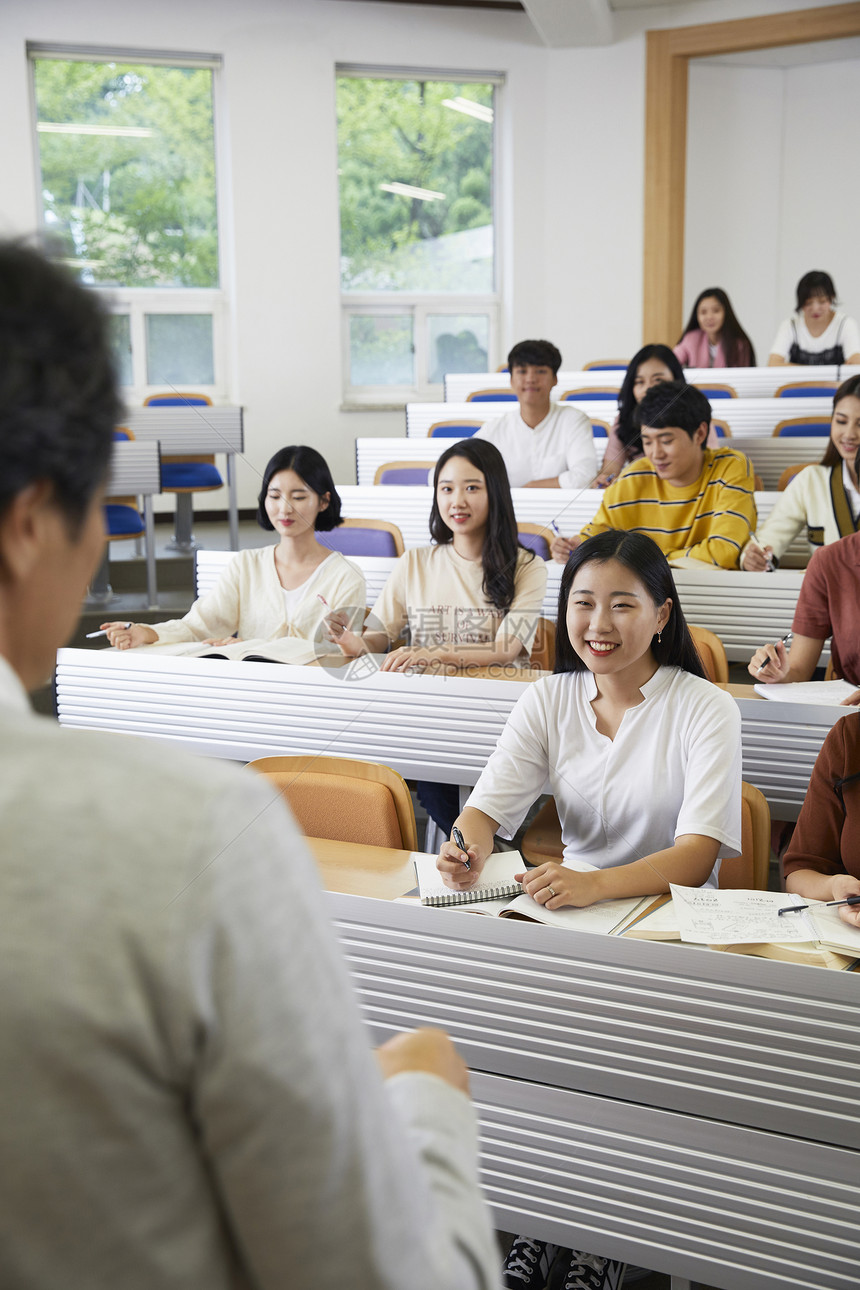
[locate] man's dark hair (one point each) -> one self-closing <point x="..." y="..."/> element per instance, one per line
<point x="672" y="403"/>
<point x="58" y="396"/>
<point x="535" y="353"/>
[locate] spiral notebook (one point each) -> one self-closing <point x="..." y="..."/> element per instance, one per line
<point x="497" y="881"/>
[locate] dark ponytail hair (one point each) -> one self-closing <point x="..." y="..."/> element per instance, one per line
<point x="629" y="433"/>
<point x="647" y="562"/>
<point x="849" y="389"/>
<point x="732" y="335"/>
<point x="501" y="543"/>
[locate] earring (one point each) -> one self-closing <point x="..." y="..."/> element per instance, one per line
<point x="660" y="638"/>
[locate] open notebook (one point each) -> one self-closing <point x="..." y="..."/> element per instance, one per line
<point x="499" y="895"/>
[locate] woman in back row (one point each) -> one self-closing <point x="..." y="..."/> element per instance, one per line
<point x="713" y="337"/>
<point x="817" y="334"/>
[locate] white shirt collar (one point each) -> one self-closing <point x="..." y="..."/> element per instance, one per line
<point x="542" y="425"/>
<point x="652" y="686"/>
<point x="12" y="693"/>
<point x="850" y="491"/>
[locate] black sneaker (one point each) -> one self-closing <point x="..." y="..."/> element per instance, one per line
<point x="591" y="1272"/>
<point x="528" y="1263"/>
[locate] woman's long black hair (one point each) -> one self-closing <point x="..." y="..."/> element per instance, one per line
<point x="849" y="389"/>
<point x="501" y="543"/>
<point x="312" y="468"/>
<point x="647" y="562"/>
<point x="732" y="333"/>
<point x="628" y="432"/>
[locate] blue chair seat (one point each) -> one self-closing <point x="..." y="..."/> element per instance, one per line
<point x="404" y="475"/>
<point x="808" y="392"/>
<point x="190" y="474"/>
<point x="356" y="541"/>
<point x="493" y="396"/>
<point x="710" y="393"/>
<point x="598" y="430"/>
<point x="814" y="430"/>
<point x="122" y="521"/>
<point x="534" y="542"/>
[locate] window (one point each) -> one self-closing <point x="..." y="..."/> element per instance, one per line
<point x="126" y="149"/>
<point x="417" y="230"/>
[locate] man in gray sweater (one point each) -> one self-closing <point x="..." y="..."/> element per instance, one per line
<point x="190" y="1102"/>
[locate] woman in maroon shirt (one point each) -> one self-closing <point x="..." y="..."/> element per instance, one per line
<point x="823" y="859"/>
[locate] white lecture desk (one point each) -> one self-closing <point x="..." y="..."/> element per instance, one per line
<point x="769" y="456"/>
<point x="437" y="728"/>
<point x="748" y="382"/>
<point x="692" y="1112"/>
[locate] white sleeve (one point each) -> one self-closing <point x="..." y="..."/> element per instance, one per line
<point x="850" y="339"/>
<point x="214" y="615"/>
<point x="783" y="340"/>
<point x="712" y="782"/>
<point x="301" y="1134"/>
<point x="518" y="771"/>
<point x="581" y="458"/>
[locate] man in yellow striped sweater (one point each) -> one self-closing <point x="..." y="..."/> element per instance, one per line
<point x="695" y="502"/>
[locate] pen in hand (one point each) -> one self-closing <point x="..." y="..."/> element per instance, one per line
<point x="90" y="636"/>
<point x="460" y="841"/>
<point x="786" y="638"/>
<point x="829" y="904"/>
<point x="769" y="564"/>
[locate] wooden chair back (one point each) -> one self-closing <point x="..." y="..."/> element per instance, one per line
<point x="344" y="800"/>
<point x="712" y="652"/>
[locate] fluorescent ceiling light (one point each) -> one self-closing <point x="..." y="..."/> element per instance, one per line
<point x="407" y="190"/>
<point x="117" y="131"/>
<point x="470" y="108"/>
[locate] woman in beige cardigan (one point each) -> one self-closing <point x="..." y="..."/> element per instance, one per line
<point x="272" y="592"/>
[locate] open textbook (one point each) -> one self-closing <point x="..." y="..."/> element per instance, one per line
<point x="499" y="895"/>
<point x="748" y="922"/>
<point x="824" y="692"/>
<point x="286" y="649"/>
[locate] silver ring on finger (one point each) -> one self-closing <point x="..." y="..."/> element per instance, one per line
<point x="550" y="890"/>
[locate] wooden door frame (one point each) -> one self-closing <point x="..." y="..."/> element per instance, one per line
<point x="668" y="55"/>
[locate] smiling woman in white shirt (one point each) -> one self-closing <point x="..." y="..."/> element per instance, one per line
<point x="817" y="333"/>
<point x="641" y="753"/>
<point x="544" y="445"/>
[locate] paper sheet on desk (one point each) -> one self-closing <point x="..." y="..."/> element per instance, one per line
<point x="826" y="692"/>
<point x="707" y="916"/>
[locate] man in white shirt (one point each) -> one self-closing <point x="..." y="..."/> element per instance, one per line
<point x="191" y="1100"/>
<point x="544" y="445"/>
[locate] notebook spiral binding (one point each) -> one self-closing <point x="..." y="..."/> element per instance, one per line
<point x="471" y="897"/>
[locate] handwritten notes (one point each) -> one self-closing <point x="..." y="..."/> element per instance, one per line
<point x="707" y="916"/>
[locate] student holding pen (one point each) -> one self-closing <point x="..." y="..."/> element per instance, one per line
<point x="641" y="753"/>
<point x="828" y="607"/>
<point x="268" y="593"/>
<point x="823" y="499"/>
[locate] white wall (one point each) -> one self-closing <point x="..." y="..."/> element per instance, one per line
<point x="772" y="189"/>
<point x="572" y="127"/>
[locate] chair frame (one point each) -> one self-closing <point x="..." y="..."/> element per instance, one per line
<point x="729" y="390"/>
<point x="800" y="421"/>
<point x="588" y="392"/>
<point x="401" y="465"/>
<point x="789" y="473"/>
<point x="498" y="396"/>
<point x="370" y="770"/>
<point x="459" y="421"/>
<point x="703" y="636"/>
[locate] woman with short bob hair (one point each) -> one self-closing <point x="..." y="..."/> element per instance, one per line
<point x="817" y="334"/>
<point x="272" y="593"/>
